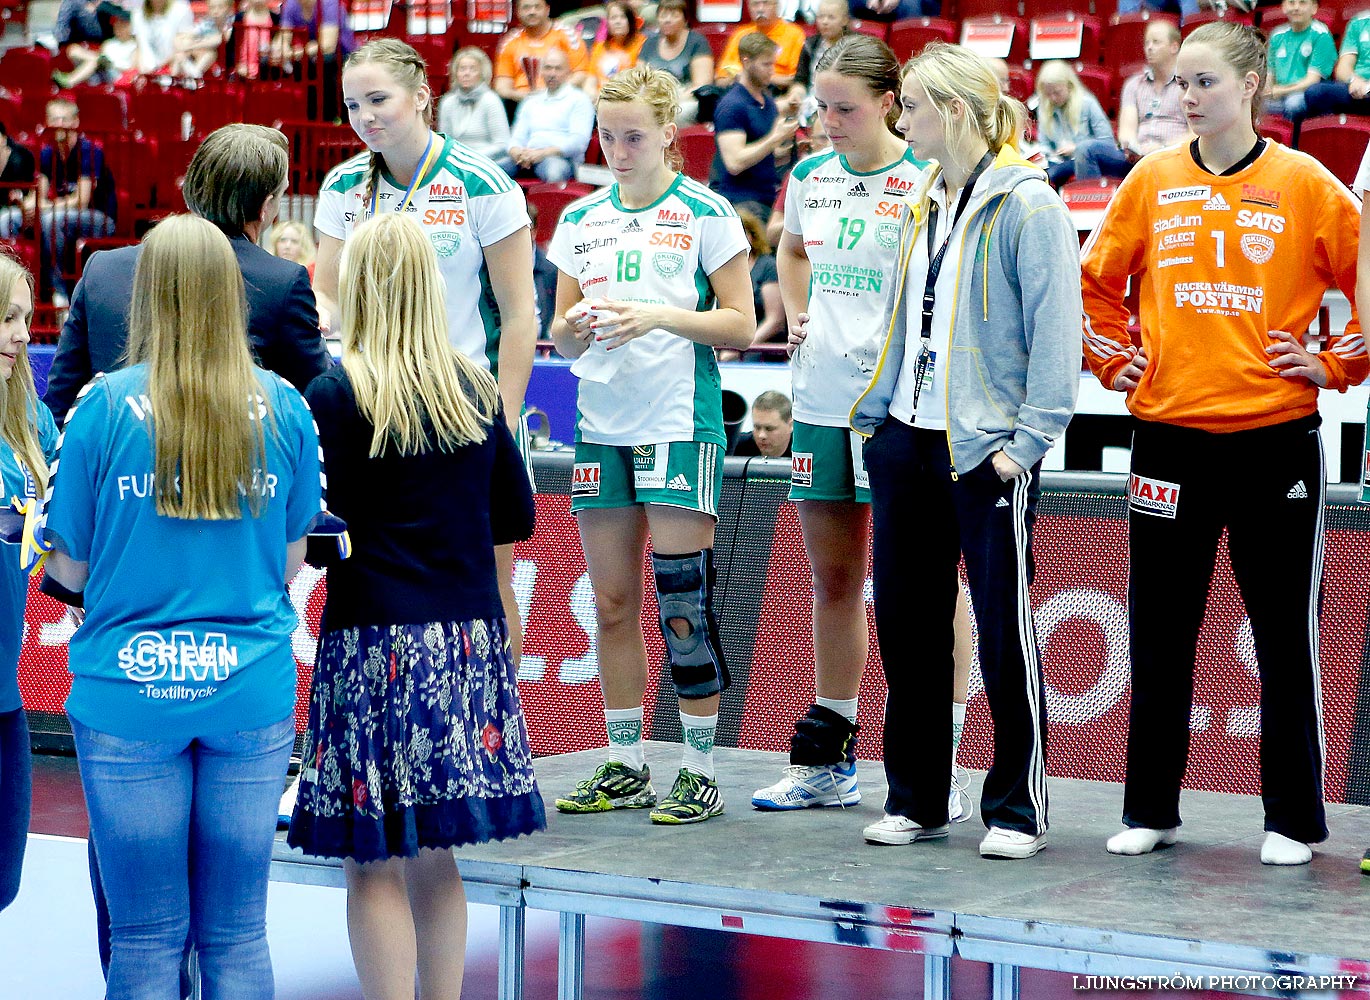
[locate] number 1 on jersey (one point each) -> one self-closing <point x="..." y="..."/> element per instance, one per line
<point x="1219" y="238"/>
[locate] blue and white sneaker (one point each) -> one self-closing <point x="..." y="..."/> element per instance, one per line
<point x="801" y="787"/>
<point x="287" y="806"/>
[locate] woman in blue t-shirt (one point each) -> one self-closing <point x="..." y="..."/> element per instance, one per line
<point x="416" y="741"/>
<point x="28" y="440"/>
<point x="188" y="482"/>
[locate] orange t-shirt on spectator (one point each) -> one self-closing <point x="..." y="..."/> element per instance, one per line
<point x="520" y="46"/>
<point x="790" y="38"/>
<point x="611" y="58"/>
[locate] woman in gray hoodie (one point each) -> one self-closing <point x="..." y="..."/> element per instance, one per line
<point x="472" y="113"/>
<point x="977" y="378"/>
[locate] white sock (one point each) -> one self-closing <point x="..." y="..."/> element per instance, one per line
<point x="1141" y="840"/>
<point x="845" y="707"/>
<point x="958" y="723"/>
<point x="698" y="731"/>
<point x="1280" y="850"/>
<point x="625" y="735"/>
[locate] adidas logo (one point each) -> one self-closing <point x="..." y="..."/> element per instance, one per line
<point x="1217" y="203"/>
<point x="683" y="484"/>
<point x="636" y="227"/>
<point x="1001" y="502"/>
<point x="1298" y="491"/>
<point x="858" y="190"/>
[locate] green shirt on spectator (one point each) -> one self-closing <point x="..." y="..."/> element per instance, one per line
<point x="1293" y="54"/>
<point x="1356" y="39"/>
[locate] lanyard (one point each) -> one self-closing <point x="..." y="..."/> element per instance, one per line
<point x="935" y="259"/>
<point x="425" y="162"/>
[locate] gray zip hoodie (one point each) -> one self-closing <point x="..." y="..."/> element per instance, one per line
<point x="1014" y="371"/>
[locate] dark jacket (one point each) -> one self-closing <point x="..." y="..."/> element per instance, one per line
<point x="282" y="324"/>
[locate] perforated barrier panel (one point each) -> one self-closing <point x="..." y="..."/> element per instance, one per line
<point x="765" y="615"/>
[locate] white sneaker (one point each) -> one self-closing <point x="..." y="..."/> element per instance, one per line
<point x="287" y="806"/>
<point x="959" y="805"/>
<point x="1011" y="844"/>
<point x="900" y="830"/>
<point x="800" y="787"/>
<point x="1137" y="840"/>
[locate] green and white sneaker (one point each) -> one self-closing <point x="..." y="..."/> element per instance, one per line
<point x="693" y="799"/>
<point x="613" y="786"/>
<point x="1365" y="863"/>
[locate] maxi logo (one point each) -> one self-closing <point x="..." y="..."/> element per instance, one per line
<point x="801" y="469"/>
<point x="150" y="656"/>
<point x="1153" y="496"/>
<point x="585" y="479"/>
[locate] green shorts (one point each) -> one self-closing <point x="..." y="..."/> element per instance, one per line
<point x="827" y="465"/>
<point x="686" y="474"/>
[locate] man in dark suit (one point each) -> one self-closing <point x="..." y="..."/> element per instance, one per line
<point x="772" y="425"/>
<point x="235" y="180"/>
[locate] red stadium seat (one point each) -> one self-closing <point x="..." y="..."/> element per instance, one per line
<point x="988" y="8"/>
<point x="1054" y="8"/>
<point x="160" y="111"/>
<point x="1192" y="21"/>
<point x="216" y="103"/>
<point x="276" y="101"/>
<point x="551" y="200"/>
<point x="697" y="145"/>
<point x="1126" y="33"/>
<point x="27" y="70"/>
<point x="1338" y="142"/>
<point x="1019" y="83"/>
<point x="1102" y="84"/>
<point x="315" y="149"/>
<point x="716" y="33"/>
<point x="101" y="108"/>
<point x="1279" y="129"/>
<point x="909" y="36"/>
<point x="976" y="32"/>
<point x="1053" y="37"/>
<point x="876" y="29"/>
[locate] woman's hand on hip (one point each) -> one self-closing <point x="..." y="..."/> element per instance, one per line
<point x="1291" y="359"/>
<point x="1127" y="379"/>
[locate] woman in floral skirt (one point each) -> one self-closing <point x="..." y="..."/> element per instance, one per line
<point x="416" y="740"/>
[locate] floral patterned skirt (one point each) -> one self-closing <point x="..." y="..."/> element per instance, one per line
<point x="416" y="739"/>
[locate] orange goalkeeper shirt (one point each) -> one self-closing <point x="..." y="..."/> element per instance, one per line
<point x="1221" y="261"/>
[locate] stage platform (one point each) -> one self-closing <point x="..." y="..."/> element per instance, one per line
<point x="1204" y="908"/>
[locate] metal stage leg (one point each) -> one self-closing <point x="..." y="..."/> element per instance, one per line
<point x="1005" y="982"/>
<point x="571" y="957"/>
<point x="936" y="977"/>
<point x="511" y="952"/>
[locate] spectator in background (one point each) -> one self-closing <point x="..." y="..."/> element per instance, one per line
<point x="75" y="194"/>
<point x="79" y="33"/>
<point x="788" y="39"/>
<point x="471" y="113"/>
<point x="1149" y="115"/>
<point x="330" y="41"/>
<point x="894" y="10"/>
<point x="749" y="129"/>
<point x="544" y="279"/>
<point x="519" y="61"/>
<point x="157" y="24"/>
<point x="619" y="50"/>
<point x="1348" y="92"/>
<point x="770" y="310"/>
<point x="290" y="240"/>
<point x="832" y="21"/>
<point x="1181" y="7"/>
<point x="1302" y="53"/>
<point x="17" y="166"/>
<point x="200" y="49"/>
<point x="683" y="53"/>
<point x="117" y="55"/>
<point x="1067" y="115"/>
<point x="251" y="46"/>
<point x="772" y="426"/>
<point x="552" y="126"/>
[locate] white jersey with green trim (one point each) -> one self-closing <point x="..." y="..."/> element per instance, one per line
<point x="664" y="387"/>
<point x="465" y="202"/>
<point x="849" y="223"/>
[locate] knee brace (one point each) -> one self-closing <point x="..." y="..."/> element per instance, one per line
<point x="822" y="738"/>
<point x="684" y="594"/>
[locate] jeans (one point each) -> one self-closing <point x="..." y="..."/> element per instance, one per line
<point x="1096" y="157"/>
<point x="1332" y="97"/>
<point x="1291" y="107"/>
<point x="62" y="227"/>
<point x="183" y="831"/>
<point x="16" y="787"/>
<point x="551" y="170"/>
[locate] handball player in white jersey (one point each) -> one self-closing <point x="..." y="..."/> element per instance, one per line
<point x="652" y="277"/>
<point x="837" y="265"/>
<point x="475" y="216"/>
